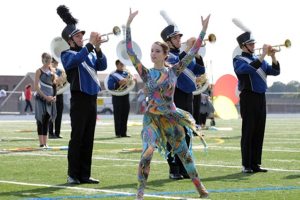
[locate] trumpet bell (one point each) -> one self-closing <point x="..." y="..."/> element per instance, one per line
<point x="116" y="30"/>
<point x="122" y="52"/>
<point x="58" y="45"/>
<point x="212" y="38"/>
<point x="287" y="43"/>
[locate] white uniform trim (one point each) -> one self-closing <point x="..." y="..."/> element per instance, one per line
<point x="92" y="72"/>
<point x="259" y="71"/>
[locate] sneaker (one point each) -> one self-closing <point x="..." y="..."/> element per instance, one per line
<point x="72" y="180"/>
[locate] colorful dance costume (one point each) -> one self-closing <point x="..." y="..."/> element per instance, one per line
<point x="163" y="122"/>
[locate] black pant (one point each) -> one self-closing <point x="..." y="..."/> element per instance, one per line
<point x="183" y="101"/>
<point x="121" y="108"/>
<point x="203" y="117"/>
<point x="196" y="108"/>
<point x="28" y="105"/>
<point x="253" y="113"/>
<point x="83" y="113"/>
<point x="59" y="111"/>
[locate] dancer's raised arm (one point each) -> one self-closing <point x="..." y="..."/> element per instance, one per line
<point x="191" y="54"/>
<point x="142" y="71"/>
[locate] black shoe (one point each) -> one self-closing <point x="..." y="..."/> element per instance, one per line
<point x="185" y="175"/>
<point x="51" y="136"/>
<point x="175" y="176"/>
<point x="89" y="181"/>
<point x="247" y="170"/>
<point x="258" y="169"/>
<point x="72" y="180"/>
<point x="125" y="136"/>
<point x="58" y="136"/>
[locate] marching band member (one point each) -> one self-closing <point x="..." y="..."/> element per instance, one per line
<point x="164" y="123"/>
<point x="186" y="84"/>
<point x="81" y="64"/>
<point x="61" y="77"/>
<point x="252" y="72"/>
<point x="121" y="104"/>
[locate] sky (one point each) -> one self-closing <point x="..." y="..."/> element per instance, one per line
<point x="28" y="27"/>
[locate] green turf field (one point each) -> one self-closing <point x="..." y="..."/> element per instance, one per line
<point x="27" y="172"/>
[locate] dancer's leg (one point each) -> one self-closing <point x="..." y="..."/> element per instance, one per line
<point x="143" y="171"/>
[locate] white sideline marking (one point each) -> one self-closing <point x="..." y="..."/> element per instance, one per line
<point x="91" y="190"/>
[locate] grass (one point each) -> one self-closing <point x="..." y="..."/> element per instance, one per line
<point x="41" y="174"/>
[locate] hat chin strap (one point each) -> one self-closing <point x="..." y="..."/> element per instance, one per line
<point x="245" y="45"/>
<point x="76" y="47"/>
<point x="173" y="46"/>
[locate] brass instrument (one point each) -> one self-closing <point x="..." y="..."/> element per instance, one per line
<point x="62" y="84"/>
<point x="202" y="84"/>
<point x="211" y="38"/>
<point x="122" y="51"/>
<point x="58" y="45"/>
<point x="202" y="51"/>
<point x="277" y="48"/>
<point x="123" y="89"/>
<point x="116" y="31"/>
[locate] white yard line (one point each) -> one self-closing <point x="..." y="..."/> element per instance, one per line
<point x="89" y="190"/>
<point x="153" y="161"/>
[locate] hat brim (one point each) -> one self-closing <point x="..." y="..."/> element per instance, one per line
<point x="250" y="42"/>
<point x="175" y="34"/>
<point x="77" y="31"/>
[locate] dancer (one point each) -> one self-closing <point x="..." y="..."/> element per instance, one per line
<point x="163" y="122"/>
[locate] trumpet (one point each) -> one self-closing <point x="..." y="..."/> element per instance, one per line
<point x="277" y="48"/>
<point x="211" y="38"/>
<point x="116" y="31"/>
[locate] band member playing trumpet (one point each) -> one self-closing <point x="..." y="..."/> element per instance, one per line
<point x="118" y="81"/>
<point x="81" y="64"/>
<point x="60" y="80"/>
<point x="252" y="72"/>
<point x="186" y="84"/>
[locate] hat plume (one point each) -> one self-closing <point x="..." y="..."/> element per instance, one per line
<point x="65" y="15"/>
<point x="239" y="24"/>
<point x="166" y="17"/>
